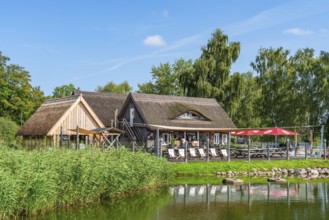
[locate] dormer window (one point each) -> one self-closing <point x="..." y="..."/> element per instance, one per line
<point x="191" y="115"/>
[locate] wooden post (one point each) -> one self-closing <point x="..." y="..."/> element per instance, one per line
<point x="115" y="117"/>
<point x="61" y="138"/>
<point x="305" y="150"/>
<point x="287" y="144"/>
<point x="311" y="141"/>
<point x="229" y="147"/>
<point x="77" y="138"/>
<point x="249" y="149"/>
<point x="158" y="143"/>
<point x="185" y="150"/>
<point x="321" y="141"/>
<point x="268" y="151"/>
<point x="207" y="149"/>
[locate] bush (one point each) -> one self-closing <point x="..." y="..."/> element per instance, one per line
<point x="8" y="130"/>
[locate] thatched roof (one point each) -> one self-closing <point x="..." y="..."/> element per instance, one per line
<point x="104" y="104"/>
<point x="47" y="115"/>
<point x="164" y="110"/>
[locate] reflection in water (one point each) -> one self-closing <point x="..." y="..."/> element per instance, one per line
<point x="250" y="201"/>
<point x="261" y="201"/>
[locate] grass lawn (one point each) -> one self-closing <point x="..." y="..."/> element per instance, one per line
<point x="210" y="168"/>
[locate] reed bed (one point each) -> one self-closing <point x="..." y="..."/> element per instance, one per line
<point x="35" y="181"/>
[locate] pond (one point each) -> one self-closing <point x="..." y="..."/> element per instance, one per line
<point x="209" y="201"/>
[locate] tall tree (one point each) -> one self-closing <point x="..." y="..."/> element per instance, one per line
<point x="276" y="78"/>
<point x="312" y="85"/>
<point x="213" y="67"/>
<point x="166" y="78"/>
<point x="63" y="91"/>
<point x="18" y="98"/>
<point x="111" y="87"/>
<point x="242" y="96"/>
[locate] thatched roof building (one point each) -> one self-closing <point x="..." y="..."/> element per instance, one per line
<point x="55" y="117"/>
<point x="56" y="113"/>
<point x="177" y="112"/>
<point x="195" y="119"/>
<point x="104" y="104"/>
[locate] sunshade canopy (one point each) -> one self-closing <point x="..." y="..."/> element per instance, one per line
<point x="277" y="131"/>
<point x="267" y="131"/>
<point x="247" y="133"/>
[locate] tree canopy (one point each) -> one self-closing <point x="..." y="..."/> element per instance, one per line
<point x="63" y="91"/>
<point x="111" y="87"/>
<point x="18" y="98"/>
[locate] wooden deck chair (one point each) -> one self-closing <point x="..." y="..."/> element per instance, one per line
<point x="201" y="153"/>
<point x="181" y="153"/>
<point x="213" y="152"/>
<point x="192" y="153"/>
<point x="223" y="152"/>
<point x="171" y="154"/>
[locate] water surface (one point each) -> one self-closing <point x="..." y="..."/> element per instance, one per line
<point x="187" y="201"/>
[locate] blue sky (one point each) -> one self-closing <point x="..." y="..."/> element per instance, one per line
<point x="92" y="42"/>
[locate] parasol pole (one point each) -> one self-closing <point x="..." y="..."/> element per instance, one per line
<point x="249" y="149"/>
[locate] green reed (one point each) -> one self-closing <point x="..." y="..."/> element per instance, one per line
<point x="31" y="182"/>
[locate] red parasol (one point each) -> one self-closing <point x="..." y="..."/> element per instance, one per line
<point x="247" y="133"/>
<point x="277" y="131"/>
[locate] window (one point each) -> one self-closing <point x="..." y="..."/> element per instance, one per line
<point x="224" y="138"/>
<point x="216" y="138"/>
<point x="191" y="115"/>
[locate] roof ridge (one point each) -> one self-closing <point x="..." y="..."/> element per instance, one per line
<point x="60" y="100"/>
<point x="98" y="93"/>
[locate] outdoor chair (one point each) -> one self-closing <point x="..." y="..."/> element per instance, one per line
<point x="181" y="153"/>
<point x="171" y="154"/>
<point x="201" y="153"/>
<point x="213" y="153"/>
<point x="223" y="152"/>
<point x="192" y="153"/>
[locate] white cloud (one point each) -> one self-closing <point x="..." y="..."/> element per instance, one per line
<point x="324" y="31"/>
<point x="298" y="31"/>
<point x="155" y="40"/>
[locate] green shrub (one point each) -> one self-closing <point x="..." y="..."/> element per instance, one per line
<point x="8" y="130"/>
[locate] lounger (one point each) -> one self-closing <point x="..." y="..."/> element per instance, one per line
<point x="224" y="152"/>
<point x="181" y="153"/>
<point x="171" y="154"/>
<point x="213" y="152"/>
<point x="201" y="153"/>
<point x="192" y="153"/>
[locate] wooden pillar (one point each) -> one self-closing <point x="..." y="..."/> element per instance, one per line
<point x="287" y="144"/>
<point x="208" y="149"/>
<point x="158" y="142"/>
<point x="268" y="151"/>
<point x="185" y="151"/>
<point x="77" y="138"/>
<point x="249" y="142"/>
<point x="61" y="138"/>
<point x="311" y="141"/>
<point x="229" y="147"/>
